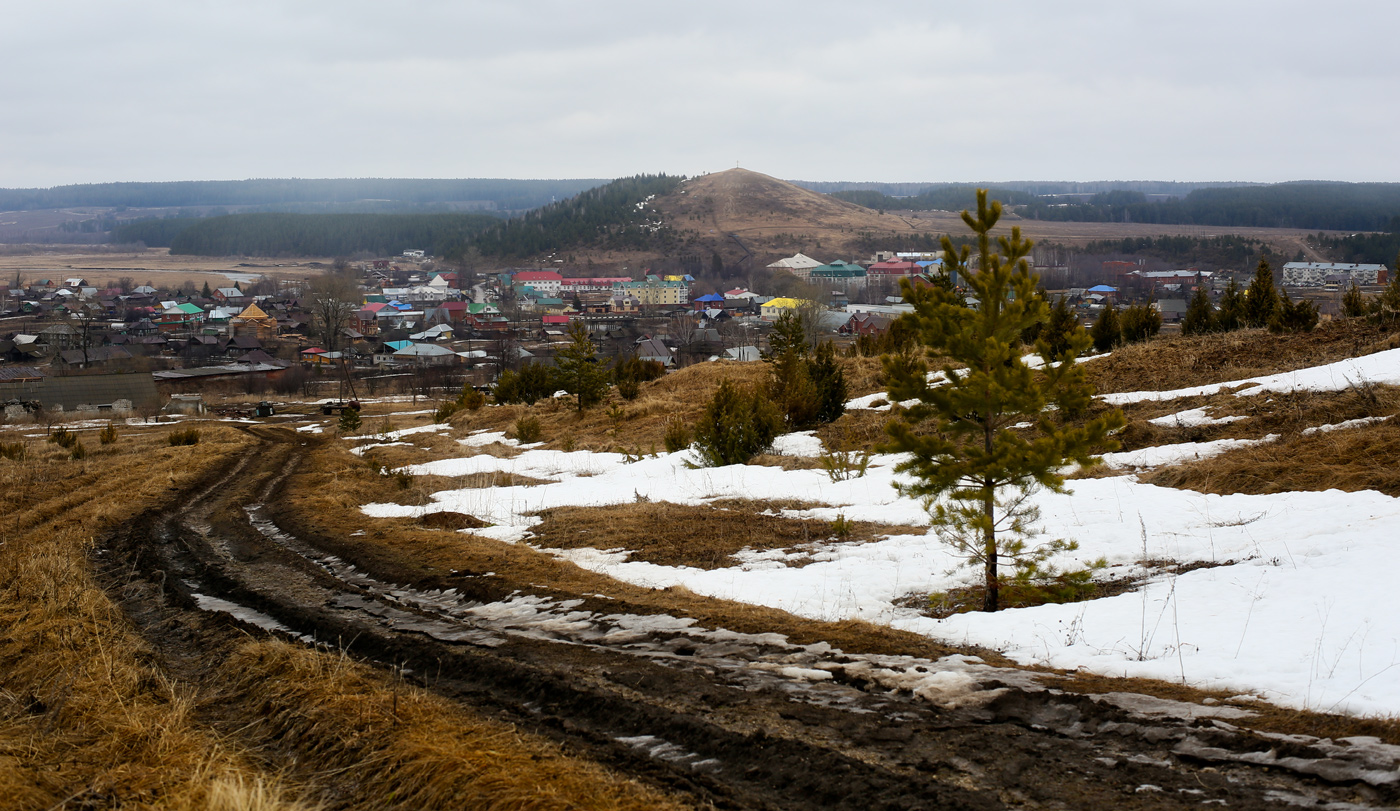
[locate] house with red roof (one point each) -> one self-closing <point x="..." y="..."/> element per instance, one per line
<point x="893" y="268"/>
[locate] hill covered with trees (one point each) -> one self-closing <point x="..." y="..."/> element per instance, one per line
<point x="616" y="216"/>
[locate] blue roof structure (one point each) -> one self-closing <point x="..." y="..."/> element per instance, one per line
<point x="1103" y="288"/>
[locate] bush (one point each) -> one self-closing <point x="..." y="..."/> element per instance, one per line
<point x="1353" y="303"/>
<point x="1106" y="332"/>
<point x="737" y="425"/>
<point x="629" y="389"/>
<point x="108" y="435"/>
<point x="531" y="383"/>
<point x="808" y="389"/>
<point x="471" y="399"/>
<point x="528" y="429"/>
<point x="12" y="450"/>
<point x="1140" y="322"/>
<point x="446" y="410"/>
<point x="63" y="437"/>
<point x="1293" y="316"/>
<point x="638" y="370"/>
<point x="349" y="420"/>
<point x="78" y="451"/>
<point x="186" y="436"/>
<point x="677" y="436"/>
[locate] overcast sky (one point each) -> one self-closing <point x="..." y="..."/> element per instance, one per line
<point x="922" y="90"/>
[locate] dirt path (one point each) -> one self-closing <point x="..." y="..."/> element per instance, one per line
<point x="724" y="719"/>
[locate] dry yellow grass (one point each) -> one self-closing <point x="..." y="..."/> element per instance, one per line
<point x="1177" y="361"/>
<point x="85" y="715"/>
<point x="89" y="717"/>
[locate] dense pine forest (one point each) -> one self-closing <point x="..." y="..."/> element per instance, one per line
<point x="1207" y="252"/>
<point x="322" y="234"/>
<point x="501" y="194"/>
<point x="1324" y="206"/>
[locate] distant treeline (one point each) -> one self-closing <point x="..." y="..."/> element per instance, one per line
<point x="1324" y="206"/>
<point x="1229" y="250"/>
<point x="1035" y="187"/>
<point x="505" y="194"/>
<point x="612" y="217"/>
<point x="938" y="198"/>
<point x="311" y="234"/>
<point x="1372" y="249"/>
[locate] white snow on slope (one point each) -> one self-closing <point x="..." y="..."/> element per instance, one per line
<point x="1344" y="426"/>
<point x="1193" y="417"/>
<point x="1159" y="455"/>
<point x="1382" y="367"/>
<point x="1295" y="607"/>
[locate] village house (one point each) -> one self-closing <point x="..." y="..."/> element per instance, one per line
<point x="799" y="265"/>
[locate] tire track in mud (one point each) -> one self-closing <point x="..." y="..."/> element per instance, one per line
<point x="729" y="719"/>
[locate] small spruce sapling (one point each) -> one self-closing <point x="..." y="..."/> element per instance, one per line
<point x="974" y="469"/>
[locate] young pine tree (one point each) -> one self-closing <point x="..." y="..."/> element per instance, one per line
<point x="1385" y="308"/>
<point x="1353" y="302"/>
<point x="1231" y="314"/>
<point x="1200" y="315"/>
<point x="959" y="435"/>
<point x="736" y="425"/>
<point x="578" y="371"/>
<point x="1061" y="329"/>
<point x="1293" y="316"/>
<point x="1261" y="299"/>
<point x="1140" y="322"/>
<point x="1106" y="333"/>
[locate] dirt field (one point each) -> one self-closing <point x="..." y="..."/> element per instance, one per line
<point x="154" y="265"/>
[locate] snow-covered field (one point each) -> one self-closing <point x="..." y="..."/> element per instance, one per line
<point x="1295" y="606"/>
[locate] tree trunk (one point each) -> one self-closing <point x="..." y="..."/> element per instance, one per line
<point x="989" y="549"/>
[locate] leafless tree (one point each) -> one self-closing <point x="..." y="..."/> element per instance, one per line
<point x="333" y="299"/>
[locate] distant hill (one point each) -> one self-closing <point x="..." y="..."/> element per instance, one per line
<point x="744" y="214"/>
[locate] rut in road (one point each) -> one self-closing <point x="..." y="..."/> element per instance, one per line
<point x="733" y="719"/>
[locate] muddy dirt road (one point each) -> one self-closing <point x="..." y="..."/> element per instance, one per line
<point x="718" y="718"/>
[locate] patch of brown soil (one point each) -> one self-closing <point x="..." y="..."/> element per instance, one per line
<point x="704" y="537"/>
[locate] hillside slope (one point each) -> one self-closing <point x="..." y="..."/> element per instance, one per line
<point x="772" y="218"/>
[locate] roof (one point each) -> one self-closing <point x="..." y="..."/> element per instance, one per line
<point x="796" y="262"/>
<point x="20" y="373"/>
<point x="423" y="351"/>
<point x="538" y="276"/>
<point x="783" y="303"/>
